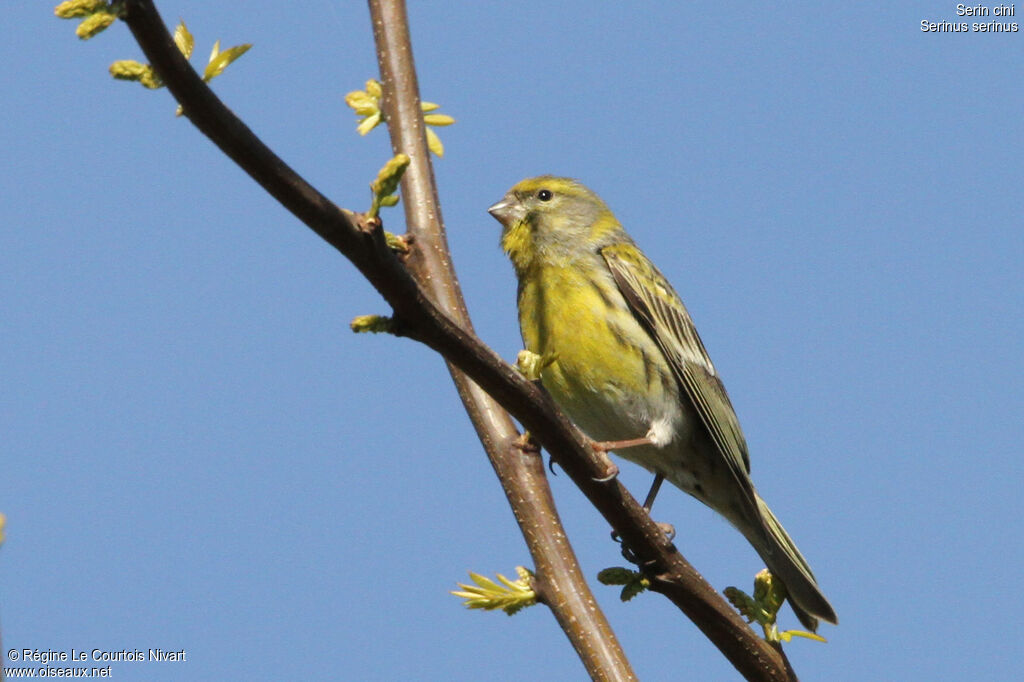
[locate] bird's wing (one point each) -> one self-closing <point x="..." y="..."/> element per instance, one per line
<point x="659" y="310"/>
<point x="662" y="313"/>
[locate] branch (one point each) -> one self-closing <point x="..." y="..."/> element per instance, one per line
<point x="419" y="318"/>
<point x="559" y="580"/>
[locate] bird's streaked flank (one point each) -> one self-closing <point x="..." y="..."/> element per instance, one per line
<point x="629" y="363"/>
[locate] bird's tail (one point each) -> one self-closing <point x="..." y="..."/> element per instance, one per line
<point x="788" y="565"/>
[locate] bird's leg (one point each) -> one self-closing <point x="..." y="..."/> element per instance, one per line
<point x="605" y="446"/>
<point x="666" y="528"/>
<point x="608" y="445"/>
<point x="653" y="492"/>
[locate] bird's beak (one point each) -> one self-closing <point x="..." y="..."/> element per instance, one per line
<point x="507" y="210"/>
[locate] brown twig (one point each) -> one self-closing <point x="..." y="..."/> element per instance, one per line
<point x="421" y="319"/>
<point x="559" y="580"/>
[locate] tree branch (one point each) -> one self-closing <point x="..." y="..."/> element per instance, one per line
<point x="559" y="580"/>
<point x="421" y="319"/>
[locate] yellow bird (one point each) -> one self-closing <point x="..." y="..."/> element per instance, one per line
<point x="629" y="367"/>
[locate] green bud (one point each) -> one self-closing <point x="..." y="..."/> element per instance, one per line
<point x="434" y="143"/>
<point x="78" y="8"/>
<point x="438" y="120"/>
<point x="128" y="70"/>
<point x="131" y="70"/>
<point x="363" y="104"/>
<point x="745" y="604"/>
<point x="151" y="80"/>
<point x="769" y="592"/>
<point x="94" y="23"/>
<point x="511" y="596"/>
<point x="220" y="60"/>
<point x="390" y="175"/>
<point x="615" y="575"/>
<point x="374" y="324"/>
<point x="396" y="242"/>
<point x="184" y="40"/>
<point x="368" y="123"/>
<point x="633" y="582"/>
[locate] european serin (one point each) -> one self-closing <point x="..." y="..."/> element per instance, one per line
<point x="629" y="363"/>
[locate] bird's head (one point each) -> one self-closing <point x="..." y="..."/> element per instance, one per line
<point x="553" y="220"/>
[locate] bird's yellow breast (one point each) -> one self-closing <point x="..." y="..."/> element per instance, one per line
<point x="608" y="375"/>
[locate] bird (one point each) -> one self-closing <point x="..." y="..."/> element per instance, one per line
<point x="625" y="363"/>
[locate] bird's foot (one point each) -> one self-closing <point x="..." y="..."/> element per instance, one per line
<point x="611" y="471"/>
<point x="668" y="529"/>
<point x="526" y="443"/>
<point x="629" y="555"/>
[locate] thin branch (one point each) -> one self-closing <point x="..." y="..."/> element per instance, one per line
<point x="560" y="583"/>
<point x="420" y="319"/>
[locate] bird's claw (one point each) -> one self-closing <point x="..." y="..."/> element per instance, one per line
<point x="526" y="443"/>
<point x="610" y="473"/>
<point x="667" y="528"/>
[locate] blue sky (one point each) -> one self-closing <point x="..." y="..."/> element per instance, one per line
<point x="197" y="454"/>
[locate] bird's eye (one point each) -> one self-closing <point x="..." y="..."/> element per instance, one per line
<point x="545" y="195"/>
